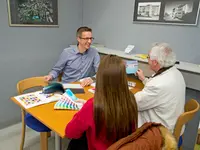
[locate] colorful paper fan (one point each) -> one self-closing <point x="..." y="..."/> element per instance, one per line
<point x="67" y="103"/>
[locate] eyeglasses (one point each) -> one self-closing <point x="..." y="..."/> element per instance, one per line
<point x="87" y="38"/>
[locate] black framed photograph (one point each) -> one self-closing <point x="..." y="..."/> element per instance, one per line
<point x="41" y="13"/>
<point x="175" y="12"/>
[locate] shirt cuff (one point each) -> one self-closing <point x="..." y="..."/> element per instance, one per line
<point x="53" y="74"/>
<point x="145" y="81"/>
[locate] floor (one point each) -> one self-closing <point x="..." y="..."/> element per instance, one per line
<point x="10" y="139"/>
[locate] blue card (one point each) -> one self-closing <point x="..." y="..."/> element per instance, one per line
<point x="71" y="94"/>
<point x="131" y="66"/>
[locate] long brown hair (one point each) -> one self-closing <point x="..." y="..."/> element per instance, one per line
<point x="115" y="108"/>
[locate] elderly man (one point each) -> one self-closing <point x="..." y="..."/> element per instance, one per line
<point x="163" y="98"/>
<point x="77" y="63"/>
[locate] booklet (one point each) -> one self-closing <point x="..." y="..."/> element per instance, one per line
<point x="36" y="98"/>
<point x="131" y="66"/>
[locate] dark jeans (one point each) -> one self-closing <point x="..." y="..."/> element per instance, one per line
<point x="78" y="144"/>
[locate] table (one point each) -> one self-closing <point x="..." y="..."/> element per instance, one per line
<point x="57" y="120"/>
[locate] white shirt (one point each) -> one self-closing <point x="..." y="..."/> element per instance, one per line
<point x="163" y="99"/>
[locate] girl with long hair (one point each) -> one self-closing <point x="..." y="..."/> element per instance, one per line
<point x="112" y="114"/>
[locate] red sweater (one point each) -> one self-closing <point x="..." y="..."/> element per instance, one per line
<point x="84" y="121"/>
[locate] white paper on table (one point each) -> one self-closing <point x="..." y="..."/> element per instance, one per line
<point x="93" y="84"/>
<point x="130" y="88"/>
<point x="81" y="80"/>
<point x="72" y="86"/>
<point x="131" y="84"/>
<point x="35" y="99"/>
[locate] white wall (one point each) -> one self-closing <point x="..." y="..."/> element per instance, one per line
<point x="111" y="21"/>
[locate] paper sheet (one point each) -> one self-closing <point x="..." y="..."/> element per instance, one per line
<point x="92" y="90"/>
<point x="35" y="99"/>
<point x="93" y="84"/>
<point x="84" y="79"/>
<point x="72" y="86"/>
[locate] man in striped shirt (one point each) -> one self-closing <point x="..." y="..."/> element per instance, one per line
<point x="77" y="62"/>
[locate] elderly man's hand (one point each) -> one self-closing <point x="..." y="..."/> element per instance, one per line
<point x="86" y="82"/>
<point x="140" y="74"/>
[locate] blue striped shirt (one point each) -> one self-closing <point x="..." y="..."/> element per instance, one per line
<point x="76" y="65"/>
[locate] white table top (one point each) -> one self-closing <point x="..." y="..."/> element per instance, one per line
<point x="195" y="68"/>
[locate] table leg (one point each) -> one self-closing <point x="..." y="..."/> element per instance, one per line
<point x="58" y="142"/>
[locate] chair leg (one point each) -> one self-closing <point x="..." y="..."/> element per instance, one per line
<point x="198" y="139"/>
<point x="181" y="148"/>
<point x="23" y="130"/>
<point x="44" y="140"/>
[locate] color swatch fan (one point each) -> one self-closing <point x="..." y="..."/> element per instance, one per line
<point x="67" y="103"/>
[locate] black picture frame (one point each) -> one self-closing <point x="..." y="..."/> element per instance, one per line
<point x="36" y="13"/>
<point x="174" y="12"/>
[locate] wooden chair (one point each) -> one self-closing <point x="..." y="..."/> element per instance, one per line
<point x="21" y="87"/>
<point x="191" y="108"/>
<point x="60" y="77"/>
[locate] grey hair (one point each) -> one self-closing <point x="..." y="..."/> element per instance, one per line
<point x="163" y="54"/>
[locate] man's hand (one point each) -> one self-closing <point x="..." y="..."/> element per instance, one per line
<point x="86" y="82"/>
<point x="48" y="77"/>
<point x="140" y="74"/>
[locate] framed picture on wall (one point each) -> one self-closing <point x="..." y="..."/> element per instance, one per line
<point x="175" y="12"/>
<point x="42" y="13"/>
